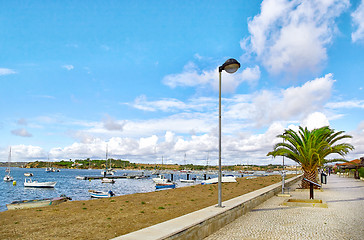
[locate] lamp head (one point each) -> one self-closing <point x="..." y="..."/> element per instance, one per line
<point x="231" y="65"/>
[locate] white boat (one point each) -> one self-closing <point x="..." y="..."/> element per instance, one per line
<point x="100" y="194"/>
<point x="8" y="177"/>
<point x="187" y="181"/>
<point x="225" y="179"/>
<point x="80" y="178"/>
<point x="107" y="172"/>
<point x="160" y="179"/>
<point x="28" y="174"/>
<point x="107" y="180"/>
<point x="29" y="183"/>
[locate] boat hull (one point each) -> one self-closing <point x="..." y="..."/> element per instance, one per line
<point x="100" y="194"/>
<point x="36" y="203"/>
<point x="8" y="178"/>
<point x="162" y="186"/>
<point x="215" y="180"/>
<point x="187" y="181"/>
<point x="35" y="184"/>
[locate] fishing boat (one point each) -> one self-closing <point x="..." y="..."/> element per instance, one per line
<point x="165" y="185"/>
<point x="28" y="174"/>
<point x="37" y="203"/>
<point x="225" y="179"/>
<point x="100" y="194"/>
<point x="107" y="180"/>
<point x="160" y="179"/>
<point x="8" y="177"/>
<point x="29" y="183"/>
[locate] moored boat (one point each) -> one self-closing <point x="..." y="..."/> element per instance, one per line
<point x="29" y="183"/>
<point x="101" y="194"/>
<point x="36" y="203"/>
<point x="80" y="178"/>
<point x="161" y="179"/>
<point x="216" y="180"/>
<point x="165" y="185"/>
<point x="187" y="181"/>
<point x="8" y="177"/>
<point x="107" y="180"/>
<point x="28" y="174"/>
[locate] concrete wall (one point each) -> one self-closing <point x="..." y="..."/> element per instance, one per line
<point x="202" y="223"/>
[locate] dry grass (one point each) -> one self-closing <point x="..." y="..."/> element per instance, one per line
<point x="108" y="218"/>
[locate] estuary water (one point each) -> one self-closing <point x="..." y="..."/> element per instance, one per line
<point x="76" y="189"/>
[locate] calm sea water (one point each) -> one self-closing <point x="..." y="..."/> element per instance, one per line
<point x="76" y="189"/>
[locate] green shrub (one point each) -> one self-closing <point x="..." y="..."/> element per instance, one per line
<point x="361" y="172"/>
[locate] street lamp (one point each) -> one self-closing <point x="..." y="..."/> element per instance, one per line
<point x="230" y="66"/>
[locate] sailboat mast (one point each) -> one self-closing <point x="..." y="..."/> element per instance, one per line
<point x="106" y="158"/>
<point x="9" y="160"/>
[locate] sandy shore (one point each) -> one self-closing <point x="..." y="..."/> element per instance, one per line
<point x="108" y="218"/>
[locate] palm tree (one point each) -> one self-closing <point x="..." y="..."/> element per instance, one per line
<point x="310" y="149"/>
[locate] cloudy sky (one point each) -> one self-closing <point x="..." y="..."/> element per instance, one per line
<point x="142" y="78"/>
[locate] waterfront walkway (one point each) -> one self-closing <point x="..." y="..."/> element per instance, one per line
<point x="343" y="219"/>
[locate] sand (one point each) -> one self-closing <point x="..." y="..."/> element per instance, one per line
<point x="108" y="218"/>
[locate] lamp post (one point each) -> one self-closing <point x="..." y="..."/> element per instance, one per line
<point x="230" y="66"/>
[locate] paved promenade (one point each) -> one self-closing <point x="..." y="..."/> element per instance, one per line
<point x="343" y="219"/>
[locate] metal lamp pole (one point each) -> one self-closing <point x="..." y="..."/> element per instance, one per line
<point x="230" y="66"/>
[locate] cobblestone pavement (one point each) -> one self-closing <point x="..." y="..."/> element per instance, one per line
<point x="343" y="219"/>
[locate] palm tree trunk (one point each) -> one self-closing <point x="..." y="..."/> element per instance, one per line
<point x="310" y="175"/>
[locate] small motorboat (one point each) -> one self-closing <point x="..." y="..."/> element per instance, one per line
<point x="165" y="185"/>
<point x="161" y="179"/>
<point x="80" y="178"/>
<point x="37" y="203"/>
<point x="107" y="180"/>
<point x="29" y="183"/>
<point x="8" y="178"/>
<point x="28" y="174"/>
<point x="100" y="194"/>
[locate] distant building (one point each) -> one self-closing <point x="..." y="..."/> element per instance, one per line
<point x="354" y="164"/>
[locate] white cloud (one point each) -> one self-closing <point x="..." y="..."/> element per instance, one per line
<point x="111" y="124"/>
<point x="164" y="105"/>
<point x="294" y="103"/>
<point x="68" y="67"/>
<point x="21" y="132"/>
<point x="358" y="22"/>
<point x="346" y="104"/>
<point x="315" y="120"/>
<point x="193" y="77"/>
<point x="6" y="71"/>
<point x="292" y="36"/>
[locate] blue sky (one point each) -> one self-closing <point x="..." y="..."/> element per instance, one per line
<point x="141" y="77"/>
